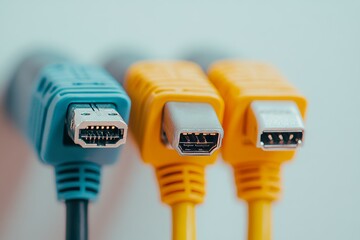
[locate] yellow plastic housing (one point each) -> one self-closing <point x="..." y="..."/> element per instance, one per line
<point x="150" y="85"/>
<point x="240" y="83"/>
<point x="257" y="172"/>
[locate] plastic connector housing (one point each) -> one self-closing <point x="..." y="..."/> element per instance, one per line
<point x="240" y="83"/>
<point x="151" y="85"/>
<point x="55" y="89"/>
<point x="45" y="95"/>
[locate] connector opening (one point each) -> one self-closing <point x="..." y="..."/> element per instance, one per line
<point x="276" y="125"/>
<point x="276" y="139"/>
<point x="191" y="128"/>
<point x="101" y="135"/>
<point x="96" y="126"/>
<point x="198" y="142"/>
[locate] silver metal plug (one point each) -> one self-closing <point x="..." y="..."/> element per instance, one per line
<point x="96" y="126"/>
<point x="192" y="128"/>
<point x="279" y="125"/>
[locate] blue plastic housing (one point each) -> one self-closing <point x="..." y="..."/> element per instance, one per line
<point x="78" y="181"/>
<point x="39" y="106"/>
<point x="59" y="86"/>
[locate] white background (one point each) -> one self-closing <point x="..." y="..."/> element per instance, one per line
<point x="316" y="44"/>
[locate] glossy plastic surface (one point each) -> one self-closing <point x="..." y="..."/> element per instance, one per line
<point x="150" y="85"/>
<point x="58" y="86"/>
<point x="240" y="83"/>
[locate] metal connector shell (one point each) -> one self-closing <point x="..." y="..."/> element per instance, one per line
<point x="279" y="125"/>
<point x="96" y="126"/>
<point x="192" y="128"/>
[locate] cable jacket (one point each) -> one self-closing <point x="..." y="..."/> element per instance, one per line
<point x="77" y="219"/>
<point x="183" y="219"/>
<point x="259" y="227"/>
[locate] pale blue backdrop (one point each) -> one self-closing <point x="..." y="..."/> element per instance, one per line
<point x="316" y="44"/>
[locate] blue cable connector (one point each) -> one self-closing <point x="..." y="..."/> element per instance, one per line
<point x="74" y="115"/>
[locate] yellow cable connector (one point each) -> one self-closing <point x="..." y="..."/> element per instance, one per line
<point x="176" y="120"/>
<point x="263" y="126"/>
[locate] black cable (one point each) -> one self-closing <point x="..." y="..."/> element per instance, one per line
<point x="77" y="219"/>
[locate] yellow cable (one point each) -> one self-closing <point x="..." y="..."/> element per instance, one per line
<point x="183" y="219"/>
<point x="256" y="169"/>
<point x="259" y="222"/>
<point x="181" y="177"/>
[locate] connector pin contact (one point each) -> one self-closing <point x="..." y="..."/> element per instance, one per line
<point x="192" y="128"/>
<point x="101" y="135"/>
<point x="198" y="142"/>
<point x="281" y="138"/>
<point x="96" y="125"/>
<point x="279" y="124"/>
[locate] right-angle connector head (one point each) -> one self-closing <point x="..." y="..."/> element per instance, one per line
<point x="96" y="126"/>
<point x="192" y="128"/>
<point x="279" y="125"/>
